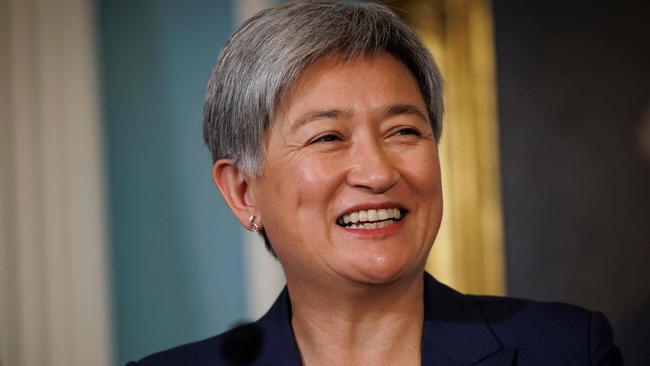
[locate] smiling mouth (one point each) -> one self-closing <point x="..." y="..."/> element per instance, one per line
<point x="371" y="219"/>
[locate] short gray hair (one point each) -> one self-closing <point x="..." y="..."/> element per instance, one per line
<point x="261" y="61"/>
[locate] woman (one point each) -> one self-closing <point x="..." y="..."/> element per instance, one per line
<point x="323" y="119"/>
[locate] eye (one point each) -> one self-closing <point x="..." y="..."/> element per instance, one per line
<point x="408" y="131"/>
<point x="330" y="137"/>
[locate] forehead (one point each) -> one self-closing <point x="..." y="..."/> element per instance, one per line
<point x="366" y="81"/>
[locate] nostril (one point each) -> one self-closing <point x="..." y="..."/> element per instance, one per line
<point x="375" y="180"/>
<point x="373" y="168"/>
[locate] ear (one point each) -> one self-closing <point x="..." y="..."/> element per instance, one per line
<point x="233" y="185"/>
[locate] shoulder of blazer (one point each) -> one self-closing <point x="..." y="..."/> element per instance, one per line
<point x="458" y="329"/>
<point x="478" y="330"/>
<point x="549" y="332"/>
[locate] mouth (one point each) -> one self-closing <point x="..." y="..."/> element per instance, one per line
<point x="371" y="219"/>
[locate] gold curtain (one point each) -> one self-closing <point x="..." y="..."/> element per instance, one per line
<point x="468" y="252"/>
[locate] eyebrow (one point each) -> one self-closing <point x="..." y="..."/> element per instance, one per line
<point x="395" y="110"/>
<point x="389" y="111"/>
<point x="316" y="115"/>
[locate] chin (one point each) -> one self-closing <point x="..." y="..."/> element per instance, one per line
<point x="382" y="270"/>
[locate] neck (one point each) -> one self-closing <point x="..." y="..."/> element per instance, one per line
<point x="365" y="324"/>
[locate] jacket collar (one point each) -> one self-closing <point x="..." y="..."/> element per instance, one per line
<point x="280" y="346"/>
<point x="454" y="332"/>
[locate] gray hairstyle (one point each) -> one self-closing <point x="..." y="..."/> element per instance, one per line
<point x="260" y="62"/>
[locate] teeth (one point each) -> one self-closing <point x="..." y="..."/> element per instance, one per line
<point x="371" y="225"/>
<point x="363" y="216"/>
<point x="371" y="216"/>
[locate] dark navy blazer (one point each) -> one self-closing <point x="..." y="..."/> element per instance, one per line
<point x="458" y="330"/>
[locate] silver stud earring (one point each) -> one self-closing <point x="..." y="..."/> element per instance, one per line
<point x="252" y="224"/>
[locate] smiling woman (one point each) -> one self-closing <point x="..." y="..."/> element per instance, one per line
<point x="365" y="146"/>
<point x="323" y="119"/>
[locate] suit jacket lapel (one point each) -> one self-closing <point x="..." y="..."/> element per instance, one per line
<point x="454" y="332"/>
<point x="279" y="344"/>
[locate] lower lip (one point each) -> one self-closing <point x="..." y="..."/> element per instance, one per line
<point x="378" y="232"/>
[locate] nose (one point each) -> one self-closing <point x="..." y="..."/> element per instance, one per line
<point x="372" y="168"/>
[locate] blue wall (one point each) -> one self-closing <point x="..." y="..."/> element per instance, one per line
<point x="176" y="257"/>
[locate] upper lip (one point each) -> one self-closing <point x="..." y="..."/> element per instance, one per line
<point x="372" y="206"/>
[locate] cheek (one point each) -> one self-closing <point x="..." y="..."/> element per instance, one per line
<point x="423" y="171"/>
<point x="431" y="177"/>
<point x="434" y="187"/>
<point x="300" y="195"/>
<point x="317" y="184"/>
<point x="306" y="184"/>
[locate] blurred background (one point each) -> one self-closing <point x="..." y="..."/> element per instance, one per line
<point x="115" y="244"/>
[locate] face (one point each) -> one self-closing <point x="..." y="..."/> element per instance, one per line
<point x="351" y="183"/>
